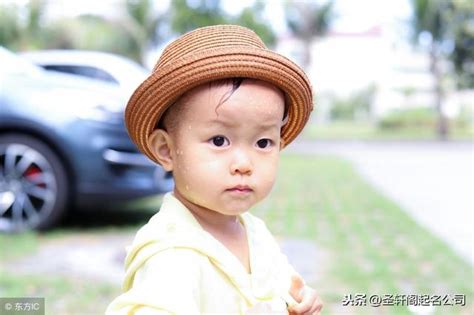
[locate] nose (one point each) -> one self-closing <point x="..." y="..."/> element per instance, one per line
<point x="241" y="163"/>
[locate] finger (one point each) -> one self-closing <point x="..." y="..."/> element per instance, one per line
<point x="313" y="309"/>
<point x="305" y="306"/>
<point x="300" y="308"/>
<point x="297" y="284"/>
<point x="316" y="307"/>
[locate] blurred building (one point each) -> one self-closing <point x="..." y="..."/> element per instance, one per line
<point x="344" y="63"/>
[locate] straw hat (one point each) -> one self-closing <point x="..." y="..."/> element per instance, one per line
<point x="208" y="54"/>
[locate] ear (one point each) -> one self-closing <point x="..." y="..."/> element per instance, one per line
<point x="161" y="145"/>
<point x="282" y="143"/>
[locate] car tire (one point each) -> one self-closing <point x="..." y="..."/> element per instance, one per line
<point x="34" y="190"/>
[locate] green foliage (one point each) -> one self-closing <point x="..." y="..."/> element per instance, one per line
<point x="9" y="26"/>
<point x="423" y="118"/>
<point x="130" y="35"/>
<point x="93" y="33"/>
<point x="309" y="19"/>
<point x="465" y="118"/>
<point x="462" y="129"/>
<point x="36" y="9"/>
<point x="22" y="34"/>
<point x="356" y="106"/>
<point x="429" y="16"/>
<point x="450" y="23"/>
<point x="185" y="17"/>
<point x="409" y="118"/>
<point x="203" y="13"/>
<point x="252" y="18"/>
<point x="407" y="91"/>
<point x="144" y="22"/>
<point x="463" y="32"/>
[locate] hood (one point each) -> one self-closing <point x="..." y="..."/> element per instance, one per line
<point x="61" y="91"/>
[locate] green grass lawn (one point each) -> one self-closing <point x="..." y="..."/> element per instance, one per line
<point x="375" y="247"/>
<point x="372" y="246"/>
<point x="353" y="130"/>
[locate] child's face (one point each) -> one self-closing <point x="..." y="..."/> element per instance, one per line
<point x="215" y="150"/>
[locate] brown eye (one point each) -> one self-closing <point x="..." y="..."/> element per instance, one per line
<point x="263" y="143"/>
<point x="219" y="141"/>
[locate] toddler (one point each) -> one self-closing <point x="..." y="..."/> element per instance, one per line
<point x="216" y="111"/>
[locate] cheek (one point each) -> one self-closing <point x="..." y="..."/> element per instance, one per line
<point x="198" y="180"/>
<point x="212" y="167"/>
<point x="267" y="172"/>
<point x="195" y="169"/>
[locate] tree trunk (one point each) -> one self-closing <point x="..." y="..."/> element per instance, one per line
<point x="442" y="123"/>
<point x="307" y="46"/>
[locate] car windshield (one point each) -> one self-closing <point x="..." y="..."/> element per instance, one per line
<point x="12" y="64"/>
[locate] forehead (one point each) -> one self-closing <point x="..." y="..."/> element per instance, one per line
<point x="254" y="102"/>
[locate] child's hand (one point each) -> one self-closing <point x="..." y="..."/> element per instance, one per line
<point x="308" y="300"/>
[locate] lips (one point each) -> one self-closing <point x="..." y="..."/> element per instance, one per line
<point x="240" y="188"/>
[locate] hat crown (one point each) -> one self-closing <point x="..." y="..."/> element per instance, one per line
<point x="209" y="37"/>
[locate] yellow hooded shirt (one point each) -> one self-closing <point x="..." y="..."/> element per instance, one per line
<point x="175" y="267"/>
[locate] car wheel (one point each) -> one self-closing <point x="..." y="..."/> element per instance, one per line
<point x="33" y="184"/>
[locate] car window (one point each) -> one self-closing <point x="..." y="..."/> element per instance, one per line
<point x="85" y="71"/>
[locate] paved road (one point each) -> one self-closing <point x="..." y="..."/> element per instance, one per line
<point x="433" y="181"/>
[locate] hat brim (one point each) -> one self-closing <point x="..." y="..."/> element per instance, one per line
<point x="167" y="83"/>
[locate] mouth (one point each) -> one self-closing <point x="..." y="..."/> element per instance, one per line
<point x="242" y="189"/>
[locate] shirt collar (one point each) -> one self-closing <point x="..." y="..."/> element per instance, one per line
<point x="174" y="209"/>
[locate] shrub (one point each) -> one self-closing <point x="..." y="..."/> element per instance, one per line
<point x="353" y="107"/>
<point x="409" y="118"/>
<point x="465" y="118"/>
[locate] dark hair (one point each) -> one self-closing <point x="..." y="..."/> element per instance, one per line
<point x="236" y="82"/>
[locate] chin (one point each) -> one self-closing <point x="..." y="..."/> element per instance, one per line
<point x="233" y="212"/>
<point x="236" y="209"/>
